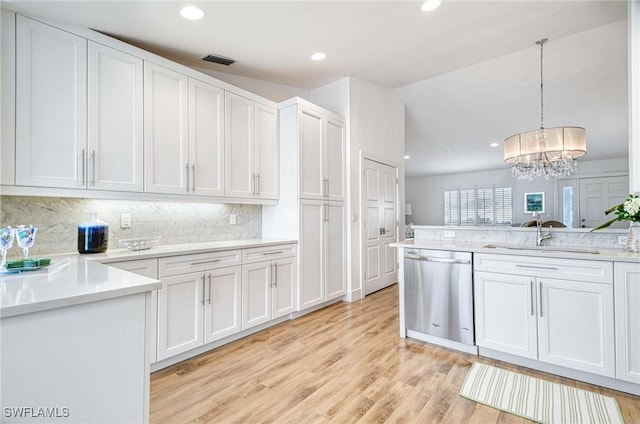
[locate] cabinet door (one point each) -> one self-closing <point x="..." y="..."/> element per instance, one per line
<point x="312" y="254"/>
<point x="505" y="310"/>
<point x="256" y="294"/>
<point x="180" y="309"/>
<point x="51" y="99"/>
<point x="206" y="138"/>
<point x="267" y="152"/>
<point x="335" y="160"/>
<point x="165" y="130"/>
<point x="115" y="120"/>
<point x="240" y="178"/>
<point x="335" y="250"/>
<point x="222" y="304"/>
<point x="627" y="321"/>
<point x="575" y="325"/>
<point x="284" y="287"/>
<point x="311" y="127"/>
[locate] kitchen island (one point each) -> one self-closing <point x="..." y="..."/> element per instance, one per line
<point x="75" y="344"/>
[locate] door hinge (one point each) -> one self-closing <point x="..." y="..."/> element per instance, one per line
<point x="365" y="275"/>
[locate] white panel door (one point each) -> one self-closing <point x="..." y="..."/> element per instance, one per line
<point x="166" y="146"/>
<point x="267" y="152"/>
<point x="283" y="287"/>
<point x="180" y="309"/>
<point x="379" y="203"/>
<point x="599" y="194"/>
<point x="627" y="306"/>
<point x="335" y="160"/>
<point x="240" y="178"/>
<point x="115" y="120"/>
<point x="311" y="127"/>
<point x="335" y="249"/>
<point x="505" y="313"/>
<point x="575" y="325"/>
<point x="256" y="294"/>
<point x="222" y="303"/>
<point x="312" y="254"/>
<point x="51" y="100"/>
<point x="206" y="139"/>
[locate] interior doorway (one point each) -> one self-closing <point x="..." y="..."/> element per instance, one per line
<point x="379" y="207"/>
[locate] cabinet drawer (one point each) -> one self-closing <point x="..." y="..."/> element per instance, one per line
<point x="268" y="253"/>
<point x="175" y="265"/>
<point x="146" y="267"/>
<point x="566" y="269"/>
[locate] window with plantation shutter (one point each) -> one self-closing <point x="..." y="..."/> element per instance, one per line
<point x="478" y="206"/>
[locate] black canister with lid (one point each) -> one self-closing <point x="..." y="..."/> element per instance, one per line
<point x="93" y="236"/>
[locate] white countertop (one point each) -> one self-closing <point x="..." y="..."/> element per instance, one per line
<point x="79" y="281"/>
<point x="619" y="255"/>
<point x="119" y="255"/>
<point x="85" y="278"/>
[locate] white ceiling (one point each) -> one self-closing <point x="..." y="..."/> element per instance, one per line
<point x="467" y="71"/>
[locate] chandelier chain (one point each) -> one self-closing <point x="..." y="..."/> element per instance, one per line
<point x="541" y="43"/>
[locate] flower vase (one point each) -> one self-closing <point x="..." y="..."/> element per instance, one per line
<point x="633" y="237"/>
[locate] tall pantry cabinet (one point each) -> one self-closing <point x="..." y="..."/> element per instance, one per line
<point x="312" y="204"/>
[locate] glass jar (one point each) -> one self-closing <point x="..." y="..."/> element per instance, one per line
<point x="93" y="236"/>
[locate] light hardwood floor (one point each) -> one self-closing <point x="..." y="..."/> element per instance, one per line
<point x="342" y="364"/>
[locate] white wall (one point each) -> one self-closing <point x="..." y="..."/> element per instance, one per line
<point x="375" y="129"/>
<point x="425" y="193"/>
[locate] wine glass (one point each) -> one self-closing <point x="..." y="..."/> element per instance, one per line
<point x="26" y="238"/>
<point x="6" y="242"/>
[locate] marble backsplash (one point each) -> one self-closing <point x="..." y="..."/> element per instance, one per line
<point x="177" y="222"/>
<point x="525" y="236"/>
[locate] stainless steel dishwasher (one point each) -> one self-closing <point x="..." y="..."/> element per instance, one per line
<point x="438" y="296"/>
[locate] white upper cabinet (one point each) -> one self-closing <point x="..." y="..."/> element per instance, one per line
<point x="115" y="125"/>
<point x="322" y="156"/>
<point x="51" y="96"/>
<point x="206" y="138"/>
<point x="239" y="146"/>
<point x="251" y="147"/>
<point x="165" y="130"/>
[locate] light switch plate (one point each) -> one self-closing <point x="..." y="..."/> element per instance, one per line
<point x="354" y="217"/>
<point x="125" y="220"/>
<point x="622" y="240"/>
<point x="232" y="219"/>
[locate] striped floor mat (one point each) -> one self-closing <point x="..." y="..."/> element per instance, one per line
<point x="537" y="399"/>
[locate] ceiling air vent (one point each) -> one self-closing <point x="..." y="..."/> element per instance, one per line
<point x="218" y="59"/>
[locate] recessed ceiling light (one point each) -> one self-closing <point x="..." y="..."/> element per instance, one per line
<point x="494" y="144"/>
<point x="318" y="56"/>
<point x="407" y="157"/>
<point x="192" y="13"/>
<point x="430" y="5"/>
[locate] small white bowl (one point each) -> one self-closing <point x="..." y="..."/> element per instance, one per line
<point x="141" y="243"/>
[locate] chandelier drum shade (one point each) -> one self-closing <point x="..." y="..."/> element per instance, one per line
<point x="548" y="152"/>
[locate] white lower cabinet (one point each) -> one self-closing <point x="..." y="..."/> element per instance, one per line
<point x="557" y="321"/>
<point x="222" y="306"/>
<point x="268" y="290"/>
<point x="627" y="303"/>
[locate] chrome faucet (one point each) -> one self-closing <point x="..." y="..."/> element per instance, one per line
<point x="539" y="233"/>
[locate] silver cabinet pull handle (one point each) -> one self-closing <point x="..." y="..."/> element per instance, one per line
<point x="202" y="301"/>
<point x="93" y="167"/>
<point x="540" y="293"/>
<point x="210" y="261"/>
<point x="275" y="283"/>
<point x="209" y="297"/>
<point x="272" y="253"/>
<point x="551" y="268"/>
<point x="325" y="187"/>
<point x="253" y="189"/>
<point x="83" y="168"/>
<point x="440" y="260"/>
<point x="193" y="185"/>
<point x="326" y="214"/>
<point x="187" y="168"/>
<point x="270" y="275"/>
<point x="532" y="296"/>
<point x="258" y="184"/>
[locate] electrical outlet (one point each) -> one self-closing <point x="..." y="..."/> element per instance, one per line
<point x="125" y="220"/>
<point x="450" y="234"/>
<point x="354" y="217"/>
<point x="622" y="240"/>
<point x="232" y="218"/>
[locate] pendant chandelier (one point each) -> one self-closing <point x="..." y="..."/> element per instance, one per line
<point x="545" y="151"/>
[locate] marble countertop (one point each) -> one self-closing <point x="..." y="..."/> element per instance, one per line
<point x="74" y="279"/>
<point x="120" y="255"/>
<point x="68" y="281"/>
<point x="619" y="255"/>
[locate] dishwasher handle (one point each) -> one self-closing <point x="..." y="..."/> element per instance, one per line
<point x="440" y="260"/>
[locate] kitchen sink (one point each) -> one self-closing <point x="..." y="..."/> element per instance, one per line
<point x="543" y="248"/>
